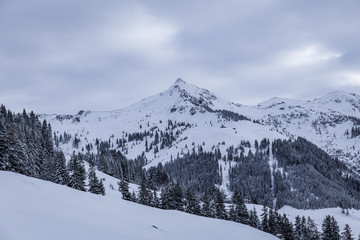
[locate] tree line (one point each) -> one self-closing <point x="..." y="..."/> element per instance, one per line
<point x="27" y="147"/>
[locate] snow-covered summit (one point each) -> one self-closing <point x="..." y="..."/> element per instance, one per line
<point x="182" y="97"/>
<point x="340" y="101"/>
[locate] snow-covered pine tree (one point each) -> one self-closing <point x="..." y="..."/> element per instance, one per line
<point x="145" y="195"/>
<point x="192" y="204"/>
<point x="165" y="198"/>
<point x="242" y="215"/>
<point x="3" y="148"/>
<point x="272" y="222"/>
<point x="286" y="228"/>
<point x="264" y="219"/>
<point x="61" y="174"/>
<point x="124" y="189"/>
<point x="77" y="172"/>
<point x="254" y="219"/>
<point x="346" y="234"/>
<point x="220" y="211"/>
<point x="155" y="202"/>
<point x="96" y="186"/>
<point x="312" y="231"/>
<point x="206" y="208"/>
<point x="330" y="229"/>
<point x="15" y="153"/>
<point x="176" y="197"/>
<point x="299" y="228"/>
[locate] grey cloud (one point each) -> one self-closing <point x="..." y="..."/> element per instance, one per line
<point x="60" y="56"/>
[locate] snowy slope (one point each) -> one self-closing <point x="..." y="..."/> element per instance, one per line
<point x="322" y="121"/>
<point x="35" y="209"/>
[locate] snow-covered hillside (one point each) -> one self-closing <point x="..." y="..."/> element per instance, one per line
<point x="213" y="122"/>
<point x="35" y="209"/>
<point x="325" y="121"/>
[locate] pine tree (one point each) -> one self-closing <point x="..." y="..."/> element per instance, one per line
<point x="15" y="154"/>
<point x="313" y="233"/>
<point x="330" y="229"/>
<point x="232" y="213"/>
<point x="96" y="186"/>
<point x="264" y="220"/>
<point x="102" y="187"/>
<point x="272" y="222"/>
<point x="206" y="208"/>
<point x="177" y="197"/>
<point x="254" y="219"/>
<point x="242" y="215"/>
<point x="346" y="234"/>
<point x="144" y="194"/>
<point x="124" y="189"/>
<point x="61" y="174"/>
<point x="165" y="198"/>
<point x="300" y="228"/>
<point x="220" y="211"/>
<point x="77" y="172"/>
<point x="155" y="200"/>
<point x="286" y="228"/>
<point x="4" y="163"/>
<point x="192" y="202"/>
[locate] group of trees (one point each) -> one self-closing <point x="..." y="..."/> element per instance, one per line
<point x="355" y="131"/>
<point x="313" y="179"/>
<point x="27" y="147"/>
<point x="177" y="197"/>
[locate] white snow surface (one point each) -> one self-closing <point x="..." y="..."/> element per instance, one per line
<point x="36" y="209"/>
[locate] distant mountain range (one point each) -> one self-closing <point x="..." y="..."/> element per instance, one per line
<point x="208" y="120"/>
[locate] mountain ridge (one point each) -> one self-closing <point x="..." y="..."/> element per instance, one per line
<point x="324" y="121"/>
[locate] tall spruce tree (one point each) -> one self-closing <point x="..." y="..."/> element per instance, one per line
<point x="3" y="148"/>
<point x="77" y="174"/>
<point x="145" y="195"/>
<point x="265" y="219"/>
<point x="241" y="212"/>
<point x="206" y="208"/>
<point x="330" y="229"/>
<point x="272" y="223"/>
<point x="286" y="228"/>
<point x="312" y="231"/>
<point x="124" y="189"/>
<point x="96" y="186"/>
<point x="254" y="219"/>
<point x="165" y="198"/>
<point x="61" y="174"/>
<point x="192" y="204"/>
<point x="220" y="211"/>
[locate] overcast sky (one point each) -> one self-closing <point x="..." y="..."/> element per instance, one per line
<point x="63" y="56"/>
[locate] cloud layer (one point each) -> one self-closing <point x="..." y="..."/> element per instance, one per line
<point x="62" y="56"/>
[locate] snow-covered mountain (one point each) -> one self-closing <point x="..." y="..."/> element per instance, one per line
<point x="198" y="117"/>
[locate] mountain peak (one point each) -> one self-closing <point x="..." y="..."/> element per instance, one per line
<point x="179" y="81"/>
<point x="195" y="97"/>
